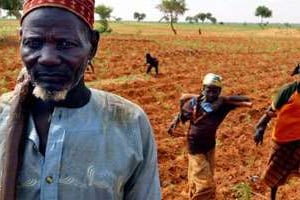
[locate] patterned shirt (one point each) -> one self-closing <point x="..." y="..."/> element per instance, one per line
<point x="103" y="150"/>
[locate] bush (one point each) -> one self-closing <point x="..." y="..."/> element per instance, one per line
<point x="103" y="27"/>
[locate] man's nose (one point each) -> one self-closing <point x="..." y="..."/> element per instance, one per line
<point x="49" y="56"/>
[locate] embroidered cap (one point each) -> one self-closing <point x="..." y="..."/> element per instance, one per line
<point x="212" y="79"/>
<point x="82" y="8"/>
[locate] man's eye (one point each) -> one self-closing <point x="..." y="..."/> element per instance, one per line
<point x="33" y="44"/>
<point x="65" y="45"/>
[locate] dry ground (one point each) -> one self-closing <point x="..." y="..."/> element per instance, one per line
<point x="253" y="63"/>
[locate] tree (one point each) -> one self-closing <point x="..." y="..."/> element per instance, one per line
<point x="139" y="16"/>
<point x="13" y="7"/>
<point x="213" y="20"/>
<point x="166" y="18"/>
<point x="196" y="19"/>
<point x="189" y="19"/>
<point x="263" y="12"/>
<point x="104" y="13"/>
<point x="208" y="15"/>
<point x="171" y="9"/>
<point x="201" y="16"/>
<point x="118" y="19"/>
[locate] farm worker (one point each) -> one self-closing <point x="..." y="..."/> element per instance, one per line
<point x="151" y="62"/>
<point x="284" y="159"/>
<point x="60" y="139"/>
<point x="205" y="112"/>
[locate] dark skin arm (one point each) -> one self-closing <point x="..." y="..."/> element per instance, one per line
<point x="262" y="125"/>
<point x="174" y="124"/>
<point x="241" y="101"/>
<point x="179" y="116"/>
<point x="238" y="98"/>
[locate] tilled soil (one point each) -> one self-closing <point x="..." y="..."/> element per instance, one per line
<point x="251" y="65"/>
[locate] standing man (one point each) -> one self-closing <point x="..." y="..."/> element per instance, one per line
<point x="60" y="139"/>
<point x="285" y="156"/>
<point x="205" y="112"/>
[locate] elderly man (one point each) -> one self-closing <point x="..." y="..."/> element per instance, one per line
<point x="60" y="139"/>
<point x="205" y="112"/>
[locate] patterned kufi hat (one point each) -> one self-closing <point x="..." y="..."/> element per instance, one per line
<point x="82" y="8"/>
<point x="212" y="79"/>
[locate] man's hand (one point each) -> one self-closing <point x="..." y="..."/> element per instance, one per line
<point x="171" y="129"/>
<point x="271" y="113"/>
<point x="259" y="135"/>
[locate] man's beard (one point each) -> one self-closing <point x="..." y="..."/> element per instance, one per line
<point x="56" y="95"/>
<point x="47" y="95"/>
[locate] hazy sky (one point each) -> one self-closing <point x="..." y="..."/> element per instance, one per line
<point x="223" y="10"/>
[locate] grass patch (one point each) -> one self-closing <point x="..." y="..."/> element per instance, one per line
<point x="242" y="191"/>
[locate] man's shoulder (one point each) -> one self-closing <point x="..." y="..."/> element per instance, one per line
<point x="286" y="90"/>
<point x="283" y="94"/>
<point x="187" y="99"/>
<point x="118" y="110"/>
<point x="113" y="102"/>
<point x="289" y="87"/>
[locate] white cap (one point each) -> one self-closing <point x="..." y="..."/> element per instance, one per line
<point x="212" y="79"/>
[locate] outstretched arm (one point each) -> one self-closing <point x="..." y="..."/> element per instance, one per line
<point x="237" y="100"/>
<point x="262" y="125"/>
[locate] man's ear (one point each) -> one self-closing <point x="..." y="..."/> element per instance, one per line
<point x="94" y="41"/>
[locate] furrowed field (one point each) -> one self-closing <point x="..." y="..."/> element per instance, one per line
<point x="252" y="61"/>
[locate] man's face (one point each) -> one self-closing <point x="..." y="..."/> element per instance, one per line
<point x="55" y="50"/>
<point x="211" y="92"/>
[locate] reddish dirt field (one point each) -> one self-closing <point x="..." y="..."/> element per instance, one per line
<point x="252" y="64"/>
